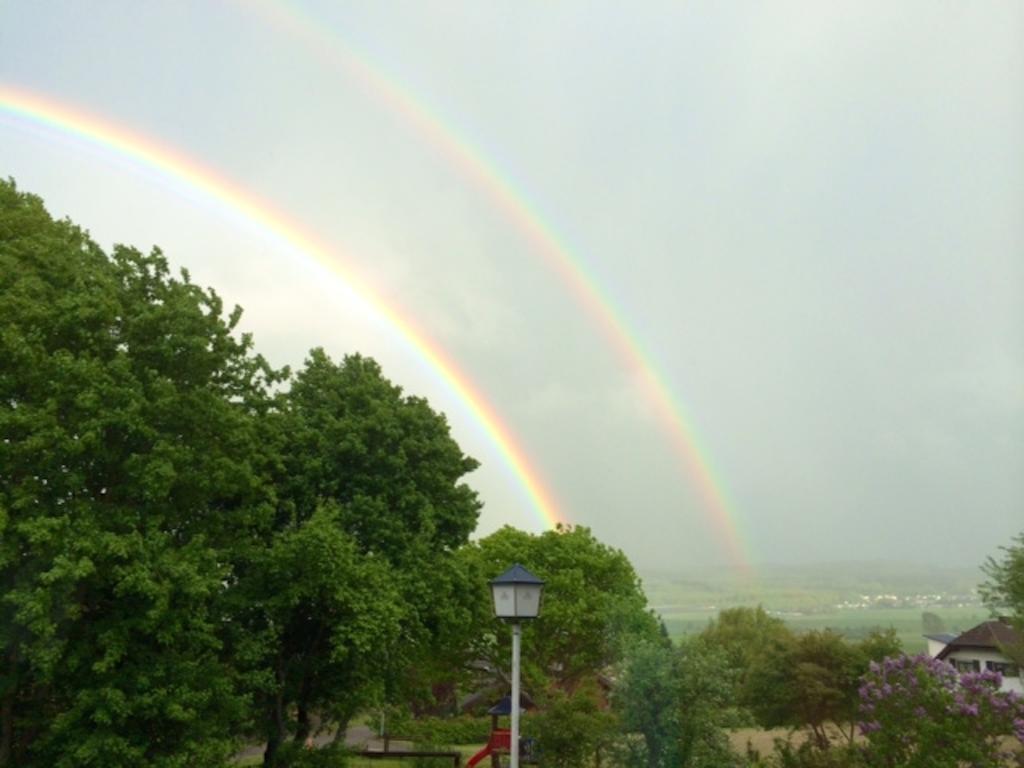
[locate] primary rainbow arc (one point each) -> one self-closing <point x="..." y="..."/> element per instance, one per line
<point x="43" y="112"/>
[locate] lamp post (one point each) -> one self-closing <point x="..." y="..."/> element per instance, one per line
<point x="516" y="594"/>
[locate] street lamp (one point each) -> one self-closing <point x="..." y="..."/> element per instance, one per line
<point x="516" y="594"/>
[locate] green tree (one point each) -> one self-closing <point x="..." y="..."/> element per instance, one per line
<point x="811" y="681"/>
<point x="744" y="635"/>
<point x="572" y="730"/>
<point x="673" y="705"/>
<point x="932" y="623"/>
<point x="130" y="462"/>
<point x="371" y="509"/>
<point x="594" y="607"/>
<point x="1003" y="591"/>
<point x="315" y="619"/>
<point x="706" y="686"/>
<point x="646" y="700"/>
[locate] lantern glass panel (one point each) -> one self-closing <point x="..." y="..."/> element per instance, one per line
<point x="527" y="600"/>
<point x="504" y="600"/>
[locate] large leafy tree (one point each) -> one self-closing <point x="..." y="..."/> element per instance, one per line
<point x="573" y="731"/>
<point x="187" y="549"/>
<point x="129" y="464"/>
<point x="811" y="680"/>
<point x="674" y="705"/>
<point x="357" y="585"/>
<point x="594" y="607"/>
<point x="646" y="700"/>
<point x="705" y="706"/>
<point x="744" y="635"/>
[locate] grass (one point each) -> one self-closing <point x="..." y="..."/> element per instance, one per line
<point x="852" y="623"/>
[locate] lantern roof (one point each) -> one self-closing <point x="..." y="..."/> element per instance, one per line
<point x="517" y="574"/>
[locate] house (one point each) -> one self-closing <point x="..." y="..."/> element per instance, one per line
<point x="937" y="642"/>
<point x="982" y="648"/>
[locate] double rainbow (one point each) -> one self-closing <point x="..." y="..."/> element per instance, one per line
<point x="504" y="196"/>
<point x="515" y="204"/>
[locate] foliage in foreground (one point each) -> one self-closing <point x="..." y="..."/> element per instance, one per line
<point x="673" y="706"/>
<point x="371" y="507"/>
<point x="917" y="712"/>
<point x="807" y="680"/>
<point x="572" y="730"/>
<point x="130" y="463"/>
<point x="594" y="607"/>
<point x="187" y="551"/>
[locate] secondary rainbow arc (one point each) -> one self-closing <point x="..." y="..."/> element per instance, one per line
<point x="46" y="113"/>
<point x="515" y="204"/>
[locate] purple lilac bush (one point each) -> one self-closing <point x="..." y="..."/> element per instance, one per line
<point x="918" y="712"/>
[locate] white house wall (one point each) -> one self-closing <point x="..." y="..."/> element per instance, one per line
<point x="935" y="647"/>
<point x="981" y="656"/>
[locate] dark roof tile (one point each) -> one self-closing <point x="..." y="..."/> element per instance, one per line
<point x="989" y="634"/>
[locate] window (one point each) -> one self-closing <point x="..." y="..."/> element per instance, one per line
<point x="1002" y="667"/>
<point x="967" y="665"/>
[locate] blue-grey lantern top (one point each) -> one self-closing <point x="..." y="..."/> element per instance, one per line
<point x="517" y="594"/>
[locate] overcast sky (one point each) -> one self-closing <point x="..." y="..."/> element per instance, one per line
<point x="809" y="216"/>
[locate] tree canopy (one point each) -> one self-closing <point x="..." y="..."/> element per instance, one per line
<point x="371" y="508"/>
<point x="130" y="462"/>
<point x="194" y="545"/>
<point x="810" y="680"/>
<point x="593" y="607"/>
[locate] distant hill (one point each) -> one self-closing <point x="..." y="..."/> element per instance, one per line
<point x="804" y="587"/>
<point x="850" y="597"/>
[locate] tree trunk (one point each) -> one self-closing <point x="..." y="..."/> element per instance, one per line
<point x="271" y="751"/>
<point x="820" y="737"/>
<point x="277" y="733"/>
<point x="302" y="725"/>
<point x="7" y="711"/>
<point x="339" y="735"/>
<point x="6" y="728"/>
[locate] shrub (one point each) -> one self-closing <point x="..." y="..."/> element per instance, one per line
<point x="917" y="712"/>
<point x="463" y="729"/>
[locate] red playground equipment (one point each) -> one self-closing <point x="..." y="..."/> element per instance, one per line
<point x="500" y="742"/>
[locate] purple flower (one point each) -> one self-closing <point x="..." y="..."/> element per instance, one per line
<point x="869" y="727"/>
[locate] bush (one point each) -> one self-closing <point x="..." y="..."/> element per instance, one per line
<point x="571" y="730"/>
<point x="463" y="729"/>
<point x="917" y="712"/>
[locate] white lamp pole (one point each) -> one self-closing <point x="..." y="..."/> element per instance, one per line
<point x="513" y="757"/>
<point x="516" y="594"/>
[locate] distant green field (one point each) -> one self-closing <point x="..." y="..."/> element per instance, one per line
<point x="852" y="623"/>
<point x="806" y="596"/>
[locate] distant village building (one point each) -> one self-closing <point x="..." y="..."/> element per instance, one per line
<point x="981" y="648"/>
